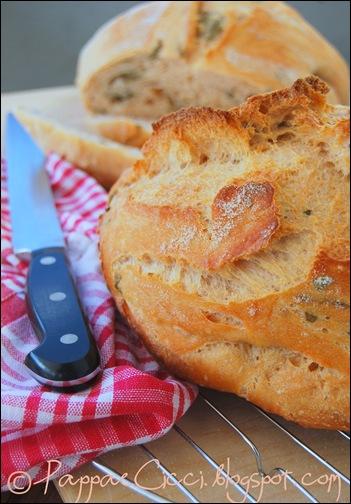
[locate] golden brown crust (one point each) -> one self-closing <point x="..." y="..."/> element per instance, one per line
<point x="304" y="380"/>
<point x="248" y="216"/>
<point x="266" y="321"/>
<point x="257" y="112"/>
<point x="260" y="46"/>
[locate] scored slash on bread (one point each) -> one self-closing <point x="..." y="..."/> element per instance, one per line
<point x="100" y="157"/>
<point x="227" y="248"/>
<point x="243" y="220"/>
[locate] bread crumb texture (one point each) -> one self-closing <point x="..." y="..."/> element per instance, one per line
<point x="227" y="248"/>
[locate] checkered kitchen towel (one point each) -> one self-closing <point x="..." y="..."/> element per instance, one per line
<point x="134" y="402"/>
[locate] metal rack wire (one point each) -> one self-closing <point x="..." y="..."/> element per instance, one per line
<point x="154" y="497"/>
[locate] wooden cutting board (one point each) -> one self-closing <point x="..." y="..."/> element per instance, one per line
<point x="223" y="443"/>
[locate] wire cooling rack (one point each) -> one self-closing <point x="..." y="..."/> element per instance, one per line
<point x="254" y="442"/>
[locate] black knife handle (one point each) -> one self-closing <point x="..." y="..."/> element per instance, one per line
<point x="67" y="355"/>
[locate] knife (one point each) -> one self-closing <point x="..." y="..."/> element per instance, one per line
<point x="67" y="355"/>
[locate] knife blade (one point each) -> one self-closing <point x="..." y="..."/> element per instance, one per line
<point x="67" y="355"/>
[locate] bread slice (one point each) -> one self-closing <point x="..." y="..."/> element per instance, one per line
<point x="122" y="129"/>
<point x="103" y="159"/>
<point x="161" y="56"/>
<point x="227" y="248"/>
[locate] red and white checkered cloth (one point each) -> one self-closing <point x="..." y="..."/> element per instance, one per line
<point x="135" y="400"/>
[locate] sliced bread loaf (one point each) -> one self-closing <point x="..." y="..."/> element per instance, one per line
<point x="161" y="56"/>
<point x="102" y="158"/>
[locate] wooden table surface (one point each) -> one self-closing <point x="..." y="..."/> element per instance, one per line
<point x="213" y="434"/>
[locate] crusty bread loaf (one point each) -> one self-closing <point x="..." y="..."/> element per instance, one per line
<point x="103" y="159"/>
<point x="123" y="129"/>
<point x="161" y="56"/>
<point x="227" y="249"/>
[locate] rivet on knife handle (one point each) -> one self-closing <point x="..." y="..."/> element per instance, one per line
<point x="67" y="355"/>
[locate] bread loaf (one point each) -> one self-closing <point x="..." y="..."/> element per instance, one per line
<point x="103" y="159"/>
<point x="161" y="56"/>
<point x="227" y="249"/>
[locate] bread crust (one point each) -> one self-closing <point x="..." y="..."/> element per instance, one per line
<point x="270" y="324"/>
<point x="121" y="129"/>
<point x="260" y="46"/>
